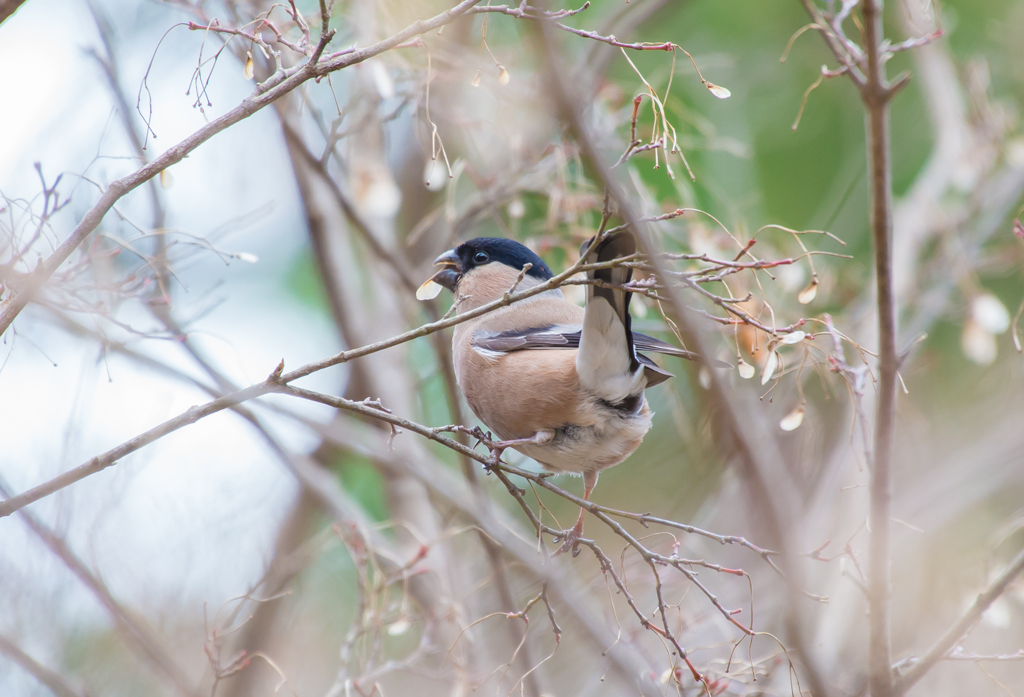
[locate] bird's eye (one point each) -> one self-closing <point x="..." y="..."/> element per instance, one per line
<point x="481" y="257"/>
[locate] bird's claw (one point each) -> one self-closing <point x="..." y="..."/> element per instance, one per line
<point x="570" y="541"/>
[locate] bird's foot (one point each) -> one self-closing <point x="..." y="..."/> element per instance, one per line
<point x="498" y="447"/>
<point x="571" y="539"/>
<point x="538" y="438"/>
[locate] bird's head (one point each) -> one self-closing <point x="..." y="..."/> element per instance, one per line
<point x="489" y="264"/>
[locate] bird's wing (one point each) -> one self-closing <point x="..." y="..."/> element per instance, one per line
<point x="552" y="336"/>
<point x="642" y="342"/>
<point x="567" y="336"/>
<point x="654" y="373"/>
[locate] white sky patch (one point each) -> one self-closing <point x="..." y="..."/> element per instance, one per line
<point x="191" y="519"/>
<point x="44" y="67"/>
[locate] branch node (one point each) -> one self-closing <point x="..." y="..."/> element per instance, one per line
<point x="275" y="376"/>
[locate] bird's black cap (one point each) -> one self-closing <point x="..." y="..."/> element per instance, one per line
<point x="484" y="250"/>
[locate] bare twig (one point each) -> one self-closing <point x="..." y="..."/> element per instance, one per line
<point x="53" y="680"/>
<point x="876" y="93"/>
<point x="910" y="670"/>
<point x="8" y="8"/>
<point x="275" y="87"/>
<point x="759" y="454"/>
<point x="136" y="635"/>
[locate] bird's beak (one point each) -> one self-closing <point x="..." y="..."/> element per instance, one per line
<point x="448" y="277"/>
<point x="451" y="273"/>
<point x="449" y="258"/>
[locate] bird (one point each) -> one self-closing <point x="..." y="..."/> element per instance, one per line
<point x="562" y="384"/>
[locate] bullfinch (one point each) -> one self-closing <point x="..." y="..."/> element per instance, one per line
<point x="560" y="383"/>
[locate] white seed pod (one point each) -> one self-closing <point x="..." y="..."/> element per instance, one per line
<point x="978" y="344"/>
<point x="746" y="370"/>
<point x="718" y="90"/>
<point x="435" y="176"/>
<point x="793" y="419"/>
<point x="769" y="367"/>
<point x="990" y="314"/>
<point x="808" y="294"/>
<point x="793" y="338"/>
<point x="400" y="627"/>
<point x="429" y="290"/>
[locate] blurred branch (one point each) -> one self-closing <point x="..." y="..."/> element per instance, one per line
<point x="279" y="84"/>
<point x="360" y="318"/>
<point x="136" y="635"/>
<point x="493" y="464"/>
<point x="964" y="157"/>
<point x="289" y="560"/>
<point x="541" y="479"/>
<point x="8" y="8"/>
<point x="839" y="45"/>
<point x="292" y="531"/>
<point x="498" y="526"/>
<point x="492" y="520"/>
<point x="276" y="380"/>
<point x="594" y="62"/>
<point x="910" y="670"/>
<point x="759" y="454"/>
<point x="55" y="681"/>
<point x="109" y="65"/>
<point x="97" y="464"/>
<point x="528" y="12"/>
<point x="318" y="486"/>
<point x="876" y="92"/>
<point x="961" y="655"/>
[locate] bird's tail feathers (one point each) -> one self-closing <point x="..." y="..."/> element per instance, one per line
<point x="607" y="362"/>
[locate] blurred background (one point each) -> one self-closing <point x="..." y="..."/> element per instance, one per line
<point x="306" y="228"/>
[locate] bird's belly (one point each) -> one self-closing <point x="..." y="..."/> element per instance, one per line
<point x="579" y="449"/>
<point x="523" y="393"/>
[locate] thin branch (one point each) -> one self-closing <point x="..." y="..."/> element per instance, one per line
<point x="758" y="450"/>
<point x="493" y="521"/>
<point x="529" y="12"/>
<point x="279" y="84"/>
<point x="100" y="462"/>
<point x="959" y="654"/>
<point x="136" y="635"/>
<point x="909" y="671"/>
<point x="493" y="464"/>
<point x="8" y="8"/>
<point x="835" y="44"/>
<point x="876" y="96"/>
<point x="273" y="383"/>
<point x="55" y="681"/>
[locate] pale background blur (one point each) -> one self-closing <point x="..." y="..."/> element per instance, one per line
<point x="194" y="520"/>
